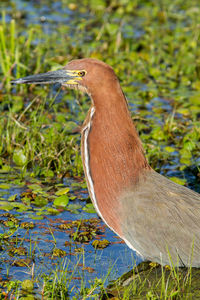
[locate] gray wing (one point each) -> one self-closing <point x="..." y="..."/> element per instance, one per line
<point x="161" y="217"/>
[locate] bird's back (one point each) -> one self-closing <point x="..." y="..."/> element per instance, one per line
<point x="161" y="219"/>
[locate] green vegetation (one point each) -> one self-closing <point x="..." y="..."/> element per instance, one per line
<point x="154" y="48"/>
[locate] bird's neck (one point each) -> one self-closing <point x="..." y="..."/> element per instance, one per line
<point x="113" y="128"/>
<point x="112" y="153"/>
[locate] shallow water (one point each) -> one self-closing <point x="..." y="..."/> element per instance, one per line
<point x="41" y="241"/>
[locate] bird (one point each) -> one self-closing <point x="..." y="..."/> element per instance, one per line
<point x="157" y="218"/>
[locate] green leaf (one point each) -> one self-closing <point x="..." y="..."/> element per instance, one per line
<point x="74" y="206"/>
<point x="27" y="285"/>
<point x="4" y="186"/>
<point x="61" y="201"/>
<point x="21" y="206"/>
<point x="89" y="208"/>
<point x="169" y="149"/>
<point x="62" y="191"/>
<point x="6" y="206"/>
<point x="52" y="211"/>
<point x="5" y="169"/>
<point x="47" y="173"/>
<point x="180" y="181"/>
<point x="40" y="201"/>
<point x="12" y="198"/>
<point x="35" y="187"/>
<point x="158" y="134"/>
<point x="19" y="158"/>
<point x="195" y="99"/>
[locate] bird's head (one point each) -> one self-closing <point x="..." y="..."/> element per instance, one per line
<point x="85" y="74"/>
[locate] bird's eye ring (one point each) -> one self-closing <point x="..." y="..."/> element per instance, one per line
<point x="81" y="73"/>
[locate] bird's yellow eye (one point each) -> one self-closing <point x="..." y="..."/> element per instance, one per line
<point x="81" y="73"/>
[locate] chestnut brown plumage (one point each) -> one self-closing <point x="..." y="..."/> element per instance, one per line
<point x="156" y="217"/>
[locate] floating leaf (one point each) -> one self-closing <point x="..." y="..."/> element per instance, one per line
<point x="35" y="187"/>
<point x="12" y="198"/>
<point x="59" y="252"/>
<point x="52" y="211"/>
<point x="74" y="206"/>
<point x="178" y="180"/>
<point x="6" y="207"/>
<point x="24" y="262"/>
<point x="5" y="186"/>
<point x="27" y="225"/>
<point x="21" y="207"/>
<point x="40" y="201"/>
<point x="33" y="217"/>
<point x="97" y="244"/>
<point x="61" y="201"/>
<point x="10" y="224"/>
<point x="89" y="208"/>
<point x="62" y="191"/>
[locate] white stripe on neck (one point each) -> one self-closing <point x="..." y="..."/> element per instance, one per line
<point x="85" y="133"/>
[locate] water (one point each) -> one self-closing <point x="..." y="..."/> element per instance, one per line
<point x="40" y="242"/>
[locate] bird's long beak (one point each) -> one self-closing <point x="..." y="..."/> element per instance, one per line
<point x="60" y="76"/>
